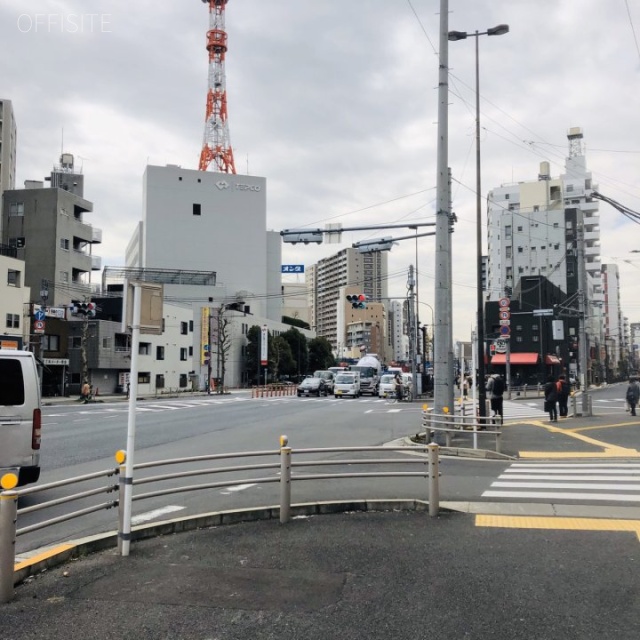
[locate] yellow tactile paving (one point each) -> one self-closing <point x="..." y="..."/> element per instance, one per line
<point x="608" y="450"/>
<point x="558" y="523"/>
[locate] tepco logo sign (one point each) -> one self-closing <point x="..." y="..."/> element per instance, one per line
<point x="238" y="186"/>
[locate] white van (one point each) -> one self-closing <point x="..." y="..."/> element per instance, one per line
<point x="347" y="383"/>
<point x="20" y="418"/>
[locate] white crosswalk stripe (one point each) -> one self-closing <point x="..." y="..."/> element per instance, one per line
<point x="585" y="482"/>
<point x="514" y="410"/>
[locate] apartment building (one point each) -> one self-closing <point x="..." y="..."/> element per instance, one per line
<point x="365" y="273"/>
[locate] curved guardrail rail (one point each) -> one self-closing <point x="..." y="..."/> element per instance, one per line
<point x="287" y="468"/>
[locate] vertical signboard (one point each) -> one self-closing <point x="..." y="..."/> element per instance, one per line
<point x="204" y="336"/>
<point x="264" y="346"/>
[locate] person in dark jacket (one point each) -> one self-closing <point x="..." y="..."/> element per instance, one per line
<point x="633" y="394"/>
<point x="563" y="395"/>
<point x="551" y="399"/>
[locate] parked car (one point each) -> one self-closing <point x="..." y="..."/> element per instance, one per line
<point x="347" y="384"/>
<point x="328" y="377"/>
<point x="312" y="386"/>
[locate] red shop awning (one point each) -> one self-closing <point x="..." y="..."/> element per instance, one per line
<point x="515" y="358"/>
<point x="549" y="359"/>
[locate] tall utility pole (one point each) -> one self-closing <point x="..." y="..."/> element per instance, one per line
<point x="582" y="308"/>
<point x="216" y="145"/>
<point x="443" y="384"/>
<point x="413" y="328"/>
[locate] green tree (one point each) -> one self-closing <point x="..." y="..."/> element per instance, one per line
<point x="252" y="359"/>
<point x="281" y="361"/>
<point x="295" y="322"/>
<point x="299" y="350"/>
<point x="320" y="356"/>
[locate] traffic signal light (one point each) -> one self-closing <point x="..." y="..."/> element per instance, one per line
<point x="87" y="309"/>
<point x="357" y="300"/>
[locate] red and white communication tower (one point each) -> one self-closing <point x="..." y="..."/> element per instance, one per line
<point x="216" y="146"/>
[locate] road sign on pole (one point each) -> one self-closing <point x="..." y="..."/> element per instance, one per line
<point x="505" y="331"/>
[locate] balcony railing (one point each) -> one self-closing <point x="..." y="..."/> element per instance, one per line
<point x="96" y="263"/>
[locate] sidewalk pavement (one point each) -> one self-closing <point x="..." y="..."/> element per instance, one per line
<point x="397" y="574"/>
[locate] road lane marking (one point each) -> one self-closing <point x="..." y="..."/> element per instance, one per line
<point x="558" y="523"/>
<point x="156" y="513"/>
<point x="237" y="487"/>
<point x="551" y="484"/>
<point x="614" y="497"/>
<point x="49" y="553"/>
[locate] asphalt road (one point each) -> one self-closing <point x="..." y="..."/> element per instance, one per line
<point x="79" y="439"/>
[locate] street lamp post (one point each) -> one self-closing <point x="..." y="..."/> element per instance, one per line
<point x="462" y="35"/>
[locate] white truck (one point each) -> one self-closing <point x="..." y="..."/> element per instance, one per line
<point x="369" y="367"/>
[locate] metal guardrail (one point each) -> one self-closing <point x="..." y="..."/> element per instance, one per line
<point x="285" y="469"/>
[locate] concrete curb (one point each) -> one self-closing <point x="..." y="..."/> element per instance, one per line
<point x="44" y="559"/>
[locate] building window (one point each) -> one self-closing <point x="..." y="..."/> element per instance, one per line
<point x="184" y="328"/>
<point x="16" y="209"/>
<point x="75" y="342"/>
<point x="569" y="188"/>
<point x="534" y="327"/>
<point x="569" y="224"/>
<point x="144" y="349"/>
<point x="179" y="178"/>
<point x="13" y="278"/>
<point x="159" y="353"/>
<point x="160" y="376"/>
<point x="533" y="249"/>
<point x="106" y="343"/>
<point x="144" y="377"/>
<point x="509" y="273"/>
<point x="183" y="354"/>
<point x="197" y="209"/>
<point x="190" y="351"/>
<point x="520" y="269"/>
<point x="520" y="249"/>
<point x="64" y="244"/>
<point x="191" y="325"/>
<point x="518" y="338"/>
<point x="507" y="231"/>
<point x="64" y="276"/>
<point x="183" y="380"/>
<point x="534" y="338"/>
<point x="519" y="228"/>
<point x="13" y="321"/>
<point x="506" y="196"/>
<point x="507" y="252"/>
<point x="50" y="343"/>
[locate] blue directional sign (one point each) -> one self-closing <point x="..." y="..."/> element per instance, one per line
<point x="292" y="268"/>
<point x="39" y="315"/>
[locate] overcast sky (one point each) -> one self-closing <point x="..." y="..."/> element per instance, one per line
<point x="335" y="103"/>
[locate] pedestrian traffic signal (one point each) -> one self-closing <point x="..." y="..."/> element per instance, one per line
<point x="357" y="300"/>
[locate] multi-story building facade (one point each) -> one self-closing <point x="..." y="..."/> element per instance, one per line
<point x="533" y="233"/>
<point x="614" y="357"/>
<point x="366" y="272"/>
<point x="48" y="228"/>
<point x="8" y="140"/>
<point x="14" y="301"/>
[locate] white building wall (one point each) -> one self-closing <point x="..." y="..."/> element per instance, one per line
<point x="226" y="233"/>
<point x="14" y="300"/>
<point x="8" y="143"/>
<point x="174" y="343"/>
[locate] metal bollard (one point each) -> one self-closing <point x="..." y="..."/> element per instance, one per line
<point x="285" y="480"/>
<point x="434" y="478"/>
<point x="8" y="523"/>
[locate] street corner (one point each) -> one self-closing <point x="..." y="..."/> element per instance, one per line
<point x="610" y="436"/>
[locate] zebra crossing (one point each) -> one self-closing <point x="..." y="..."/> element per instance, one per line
<point x="513" y="410"/>
<point x="584" y="482"/>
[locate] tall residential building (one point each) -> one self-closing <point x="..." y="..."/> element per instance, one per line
<point x="49" y="231"/>
<point x="532" y="232"/>
<point x="614" y="338"/>
<point x="348" y="268"/>
<point x="528" y="226"/>
<point x="8" y="138"/>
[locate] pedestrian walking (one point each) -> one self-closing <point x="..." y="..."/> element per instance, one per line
<point x="399" y="386"/>
<point x="86" y="392"/>
<point x="495" y="391"/>
<point x="551" y="399"/>
<point x="633" y="394"/>
<point x="564" y="391"/>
